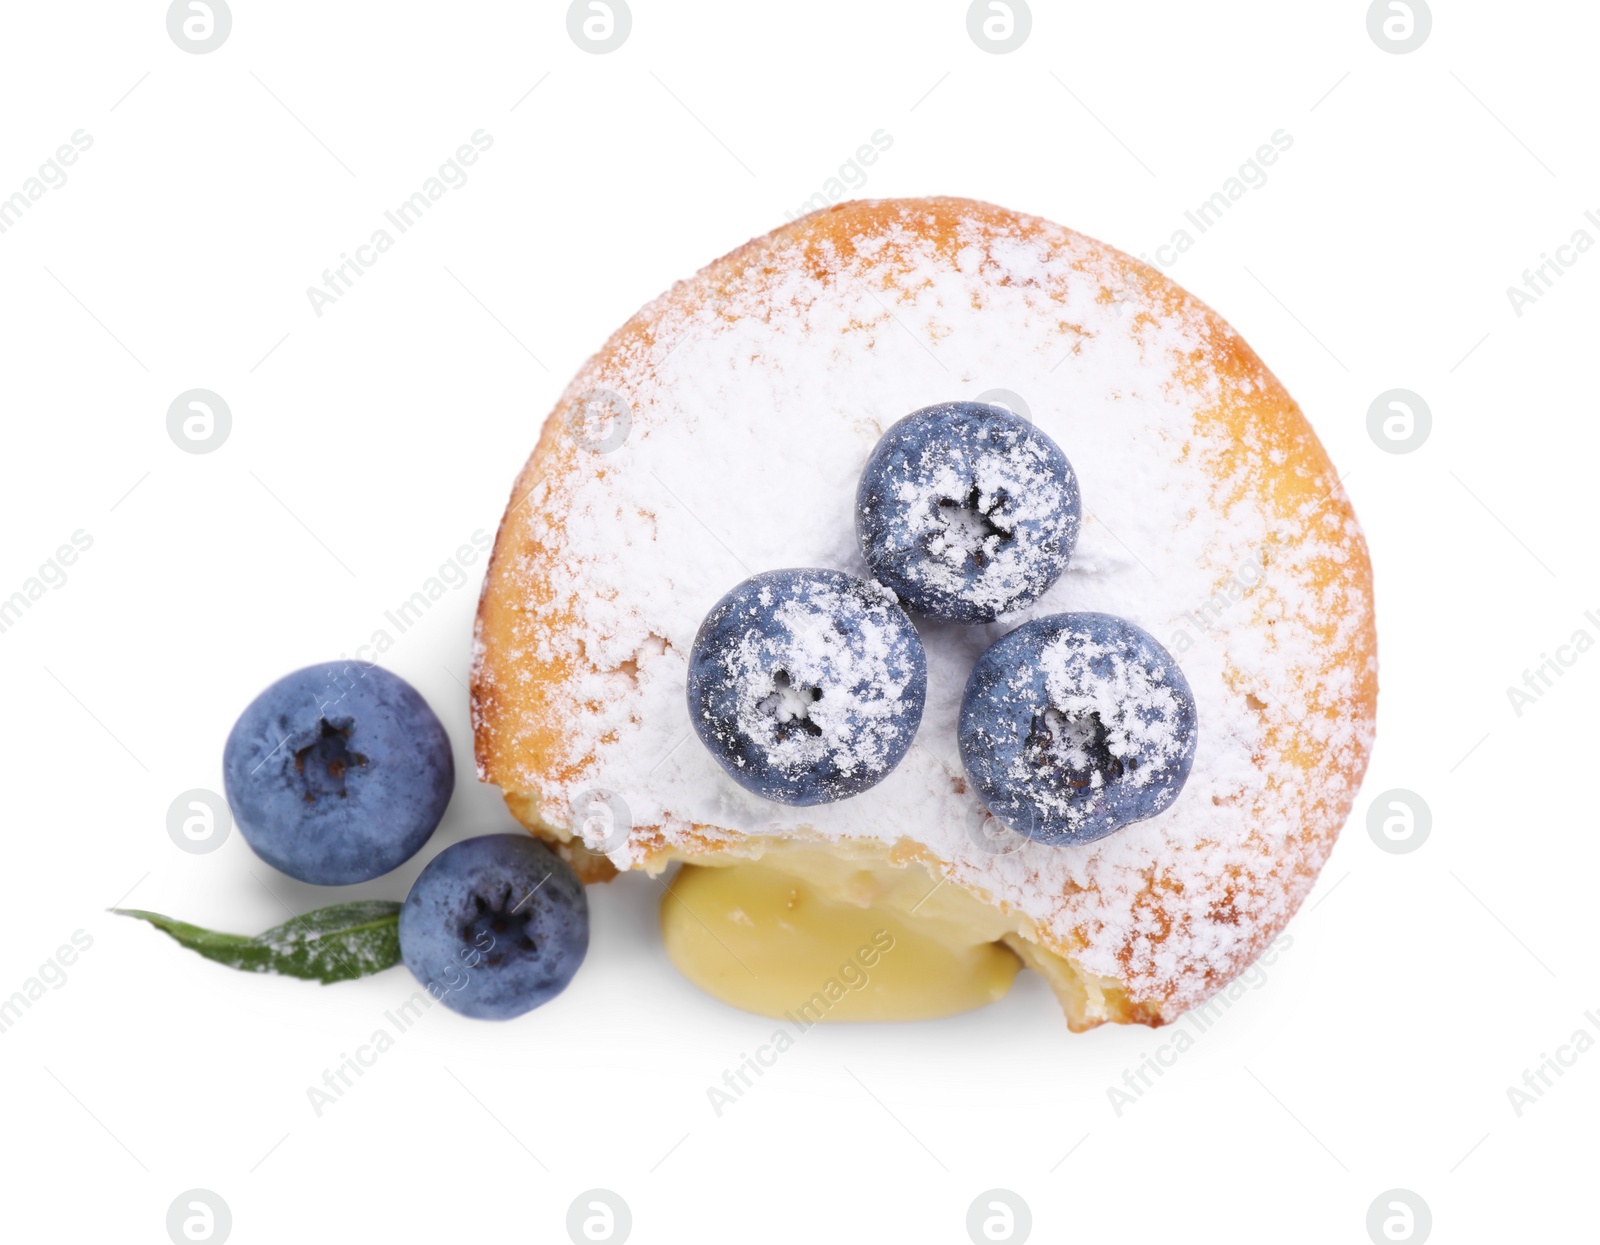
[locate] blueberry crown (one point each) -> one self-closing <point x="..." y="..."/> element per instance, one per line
<point x="807" y="686"/>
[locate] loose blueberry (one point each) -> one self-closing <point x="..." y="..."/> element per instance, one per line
<point x="1076" y="725"/>
<point x="967" y="511"/>
<point x="495" y="926"/>
<point x="337" y="773"/>
<point x="807" y="685"/>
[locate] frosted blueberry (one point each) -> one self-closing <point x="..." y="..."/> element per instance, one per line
<point x="495" y="926"/>
<point x="337" y="773"/>
<point x="1075" y="725"/>
<point x="967" y="511"/>
<point x="807" y="685"/>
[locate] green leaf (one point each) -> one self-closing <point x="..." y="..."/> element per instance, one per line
<point x="338" y="943"/>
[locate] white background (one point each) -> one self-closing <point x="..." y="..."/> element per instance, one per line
<point x="369" y="443"/>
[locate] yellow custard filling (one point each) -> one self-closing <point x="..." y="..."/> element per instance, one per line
<point x="846" y="887"/>
<point x="853" y="931"/>
<point x="770" y="942"/>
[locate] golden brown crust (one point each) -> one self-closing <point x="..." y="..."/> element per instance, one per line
<point x="522" y="701"/>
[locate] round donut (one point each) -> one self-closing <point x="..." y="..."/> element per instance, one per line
<point x="722" y="432"/>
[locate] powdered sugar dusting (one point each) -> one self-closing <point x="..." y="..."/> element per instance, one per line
<point x="964" y="509"/>
<point x="833" y="685"/>
<point x="1141" y="714"/>
<point x="758" y="391"/>
<point x="1075" y="726"/>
